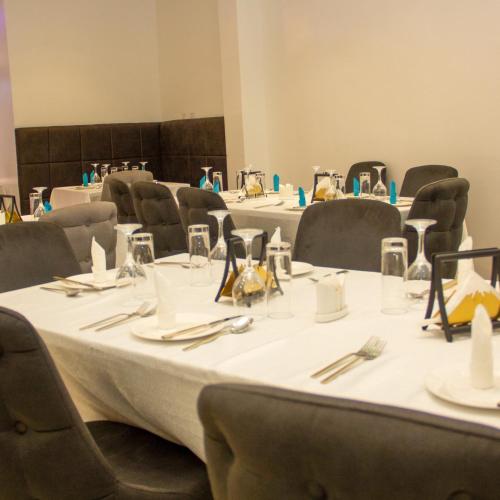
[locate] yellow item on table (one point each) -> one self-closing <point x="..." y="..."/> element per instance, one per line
<point x="227" y="291"/>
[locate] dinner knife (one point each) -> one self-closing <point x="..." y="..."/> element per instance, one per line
<point x="202" y="326"/>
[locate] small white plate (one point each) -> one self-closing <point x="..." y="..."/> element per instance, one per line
<point x="89" y="278"/>
<point x="299" y="268"/>
<point x="148" y="328"/>
<point x="453" y="385"/>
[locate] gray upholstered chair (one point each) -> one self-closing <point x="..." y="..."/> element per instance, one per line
<point x="83" y="222"/>
<point x="31" y="253"/>
<point x="48" y="453"/>
<point x="417" y="177"/>
<point x="266" y="443"/>
<point x="445" y="201"/>
<point x="346" y="233"/>
<point x="364" y="166"/>
<point x="194" y="205"/>
<point x="122" y="198"/>
<point x="126" y="176"/>
<point x="157" y="211"/>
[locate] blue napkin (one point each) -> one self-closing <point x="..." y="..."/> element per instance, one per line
<point x="216" y="186"/>
<point x="85" y="179"/>
<point x="393" y="196"/>
<point x="302" y="198"/>
<point x="47" y="206"/>
<point x="355" y="186"/>
<point x="202" y="181"/>
<point x="276" y="183"/>
<point x="92" y="177"/>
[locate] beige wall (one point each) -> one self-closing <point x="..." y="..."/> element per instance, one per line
<point x="407" y="83"/>
<point x="189" y="58"/>
<point x="89" y="61"/>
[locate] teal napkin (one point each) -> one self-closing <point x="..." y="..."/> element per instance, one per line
<point x="92" y="177"/>
<point x="302" y="198"/>
<point x="216" y="186"/>
<point x="202" y="181"/>
<point x="85" y="179"/>
<point x="47" y="206"/>
<point x="355" y="186"/>
<point x="393" y="196"/>
<point x="276" y="183"/>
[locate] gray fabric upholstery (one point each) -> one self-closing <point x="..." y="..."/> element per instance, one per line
<point x="266" y="443"/>
<point x="126" y="176"/>
<point x="83" y="222"/>
<point x="48" y="453"/>
<point x="364" y="166"/>
<point x="157" y="211"/>
<point x="445" y="201"/>
<point x="346" y="233"/>
<point x="194" y="203"/>
<point x="417" y="177"/>
<point x="32" y="252"/>
<point x="122" y="198"/>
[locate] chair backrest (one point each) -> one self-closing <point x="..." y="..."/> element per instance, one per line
<point x="194" y="205"/>
<point x="32" y="252"/>
<point x="157" y="211"/>
<point x="267" y="443"/>
<point x="126" y="176"/>
<point x="417" y="177"/>
<point x="46" y="451"/>
<point x="122" y="198"/>
<point x="364" y="166"/>
<point x="445" y="201"/>
<point x="83" y="222"/>
<point x="346" y="233"/>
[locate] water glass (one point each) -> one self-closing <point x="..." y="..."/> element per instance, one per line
<point x="114" y="170"/>
<point x="364" y="184"/>
<point x="144" y="256"/>
<point x="279" y="280"/>
<point x="199" y="255"/>
<point x="219" y="177"/>
<point x="394" y="268"/>
<point x="104" y="171"/>
<point x="34" y="201"/>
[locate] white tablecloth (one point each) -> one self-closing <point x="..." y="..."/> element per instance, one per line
<point x="113" y="375"/>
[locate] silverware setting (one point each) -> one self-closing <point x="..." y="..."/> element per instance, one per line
<point x="69" y="292"/>
<point x="372" y="349"/>
<point x="271" y="204"/>
<point x="200" y="327"/>
<point x="185" y="265"/>
<point x="421" y="295"/>
<point x="89" y="286"/>
<point x="315" y="280"/>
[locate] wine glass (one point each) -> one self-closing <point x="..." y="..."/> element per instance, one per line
<point x="39" y="209"/>
<point x="208" y="185"/>
<point x="364" y="184"/>
<point x="420" y="272"/>
<point x="125" y="165"/>
<point x="219" y="251"/>
<point x="144" y="256"/>
<point x="135" y="167"/>
<point x="143" y="165"/>
<point x="339" y="187"/>
<point x="249" y="288"/>
<point x="379" y="190"/>
<point x="129" y="269"/>
<point x="104" y="171"/>
<point x="97" y="177"/>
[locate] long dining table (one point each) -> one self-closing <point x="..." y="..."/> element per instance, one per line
<point x="114" y="375"/>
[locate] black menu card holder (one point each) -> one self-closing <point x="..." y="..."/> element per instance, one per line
<point x="317" y="178"/>
<point x="11" y="211"/>
<point x="438" y="259"/>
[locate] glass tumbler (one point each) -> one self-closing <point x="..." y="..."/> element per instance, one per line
<point x="144" y="256"/>
<point x="199" y="255"/>
<point x="393" y="269"/>
<point x="364" y="184"/>
<point x="279" y="280"/>
<point x="218" y="176"/>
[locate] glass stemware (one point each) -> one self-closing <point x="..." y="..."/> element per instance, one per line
<point x="208" y="186"/>
<point x="129" y="269"/>
<point x="219" y="251"/>
<point x="39" y="209"/>
<point x="420" y="272"/>
<point x="97" y="177"/>
<point x="125" y="165"/>
<point x="379" y="190"/>
<point x="104" y="171"/>
<point x="143" y="165"/>
<point x="249" y="289"/>
<point x="364" y="184"/>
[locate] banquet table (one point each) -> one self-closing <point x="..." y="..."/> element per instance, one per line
<point x="155" y="385"/>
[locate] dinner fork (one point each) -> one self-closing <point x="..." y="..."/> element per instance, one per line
<point x="370" y="354"/>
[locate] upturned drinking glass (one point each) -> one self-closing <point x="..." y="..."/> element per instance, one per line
<point x="379" y="190"/>
<point x="420" y="272"/>
<point x="39" y="208"/>
<point x="104" y="171"/>
<point x="208" y="186"/>
<point x="144" y="256"/>
<point x="97" y="177"/>
<point x="129" y="269"/>
<point x="199" y="255"/>
<point x="125" y="165"/>
<point x="219" y="251"/>
<point x="279" y="280"/>
<point x="393" y="270"/>
<point x="364" y="184"/>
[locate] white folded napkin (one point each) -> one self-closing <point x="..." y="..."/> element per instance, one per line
<point x="165" y="293"/>
<point x="466" y="265"/>
<point x="276" y="237"/>
<point x="481" y="360"/>
<point x="98" y="261"/>
<point x="2" y="217"/>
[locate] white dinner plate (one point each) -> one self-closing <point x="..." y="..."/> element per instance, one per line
<point x="299" y="268"/>
<point x="148" y="328"/>
<point x="89" y="278"/>
<point x="453" y="385"/>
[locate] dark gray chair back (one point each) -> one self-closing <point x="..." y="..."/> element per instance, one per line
<point x="83" y="222"/>
<point x="32" y="252"/>
<point x="126" y="176"/>
<point x="194" y="205"/>
<point x="266" y="443"/>
<point x="346" y="233"/>
<point x="417" y="177"/>
<point x="122" y="198"/>
<point x="157" y="211"/>
<point x="445" y="201"/>
<point x="364" y="166"/>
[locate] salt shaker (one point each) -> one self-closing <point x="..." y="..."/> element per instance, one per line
<point x="330" y="298"/>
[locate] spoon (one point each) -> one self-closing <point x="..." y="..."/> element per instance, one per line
<point x="144" y="310"/>
<point x="69" y="292"/>
<point x="241" y="325"/>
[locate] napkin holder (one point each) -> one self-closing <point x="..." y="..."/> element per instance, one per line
<point x="9" y="206"/>
<point x="241" y="177"/>
<point x="229" y="277"/>
<point x="318" y="177"/>
<point x="437" y="290"/>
